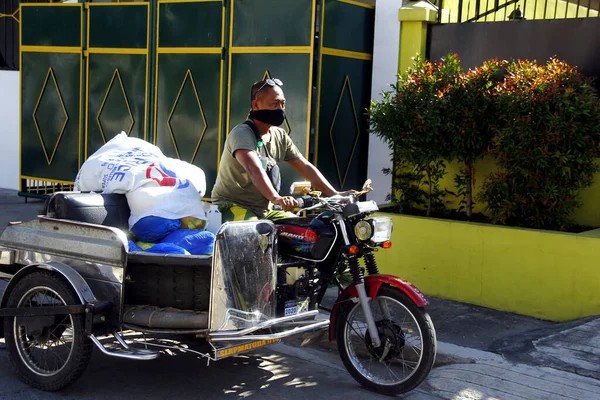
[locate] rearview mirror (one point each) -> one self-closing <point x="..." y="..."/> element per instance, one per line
<point x="300" y="188"/>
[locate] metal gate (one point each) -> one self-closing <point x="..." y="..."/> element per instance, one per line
<point x="178" y="73"/>
<point x="117" y="76"/>
<point x="345" y="65"/>
<point x="189" y="86"/>
<point x="51" y="81"/>
<point x="281" y="48"/>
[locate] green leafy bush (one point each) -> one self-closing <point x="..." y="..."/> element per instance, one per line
<point x="471" y="121"/>
<point x="546" y="145"/>
<point x="540" y="123"/>
<point x="411" y="117"/>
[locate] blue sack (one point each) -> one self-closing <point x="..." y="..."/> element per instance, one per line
<point x="154" y="229"/>
<point x="197" y="242"/>
<point x="134" y="247"/>
<point x="167" y="248"/>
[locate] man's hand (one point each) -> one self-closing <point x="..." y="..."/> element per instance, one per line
<point x="287" y="203"/>
<point x="312" y="174"/>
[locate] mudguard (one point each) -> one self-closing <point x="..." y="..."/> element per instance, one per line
<point x="79" y="285"/>
<point x="372" y="285"/>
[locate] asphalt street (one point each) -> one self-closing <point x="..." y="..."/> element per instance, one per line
<point x="277" y="372"/>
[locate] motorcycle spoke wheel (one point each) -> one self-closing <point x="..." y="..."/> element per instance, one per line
<point x="407" y="349"/>
<point x="48" y="350"/>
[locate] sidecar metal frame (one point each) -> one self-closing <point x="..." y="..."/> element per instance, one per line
<point x="89" y="257"/>
<point x="93" y="259"/>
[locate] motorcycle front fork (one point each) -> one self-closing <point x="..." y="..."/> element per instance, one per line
<point x="358" y="279"/>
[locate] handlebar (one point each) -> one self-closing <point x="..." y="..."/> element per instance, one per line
<point x="305" y="202"/>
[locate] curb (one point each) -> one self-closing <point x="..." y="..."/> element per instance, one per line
<point x="447" y="353"/>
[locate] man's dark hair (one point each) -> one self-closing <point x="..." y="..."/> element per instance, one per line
<point x="255" y="88"/>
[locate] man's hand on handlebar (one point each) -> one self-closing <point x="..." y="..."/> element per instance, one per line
<point x="287" y="203"/>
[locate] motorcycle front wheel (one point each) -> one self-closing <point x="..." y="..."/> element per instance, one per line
<point x="408" y="343"/>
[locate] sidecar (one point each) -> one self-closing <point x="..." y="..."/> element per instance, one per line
<point x="73" y="285"/>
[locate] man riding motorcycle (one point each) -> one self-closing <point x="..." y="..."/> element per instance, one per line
<point x="248" y="180"/>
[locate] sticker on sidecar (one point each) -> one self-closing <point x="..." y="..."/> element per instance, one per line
<point x="230" y="351"/>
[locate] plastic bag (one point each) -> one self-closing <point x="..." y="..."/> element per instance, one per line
<point x="153" y="229"/>
<point x="195" y="241"/>
<point x="184" y="171"/>
<point x="155" y="185"/>
<point x="167" y="248"/>
<point x="171" y="202"/>
<point x="124" y="163"/>
<point x="144" y="245"/>
<point x="133" y="246"/>
<point x="192" y="223"/>
<point x="119" y="166"/>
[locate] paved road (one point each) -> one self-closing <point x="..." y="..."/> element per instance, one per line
<point x="288" y="372"/>
<point x="278" y="372"/>
<point x="271" y="373"/>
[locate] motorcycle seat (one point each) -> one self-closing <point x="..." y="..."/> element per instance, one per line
<point x="94" y="208"/>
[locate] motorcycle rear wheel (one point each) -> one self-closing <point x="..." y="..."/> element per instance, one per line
<point x="48" y="355"/>
<point x="395" y="367"/>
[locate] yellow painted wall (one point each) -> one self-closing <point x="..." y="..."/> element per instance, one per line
<point x="542" y="274"/>
<point x="588" y="214"/>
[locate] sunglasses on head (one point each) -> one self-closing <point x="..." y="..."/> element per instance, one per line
<point x="270" y="82"/>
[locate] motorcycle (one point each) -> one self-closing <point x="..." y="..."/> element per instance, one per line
<point x="74" y="285"/>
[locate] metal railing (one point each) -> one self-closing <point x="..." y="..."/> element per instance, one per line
<point x="460" y="11"/>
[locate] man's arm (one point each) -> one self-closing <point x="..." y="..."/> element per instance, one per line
<point x="311" y="173"/>
<point x="251" y="163"/>
<point x="307" y="170"/>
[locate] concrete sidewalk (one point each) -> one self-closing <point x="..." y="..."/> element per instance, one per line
<point x="485" y="354"/>
<point x="482" y="353"/>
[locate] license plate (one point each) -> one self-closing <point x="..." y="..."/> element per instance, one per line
<point x="291" y="309"/>
<point x="294" y="307"/>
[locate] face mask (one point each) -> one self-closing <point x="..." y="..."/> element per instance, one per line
<point x="269" y="117"/>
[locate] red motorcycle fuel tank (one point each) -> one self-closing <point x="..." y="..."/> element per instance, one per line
<point x="306" y="238"/>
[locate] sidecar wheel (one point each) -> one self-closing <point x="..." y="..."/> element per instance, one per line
<point x="47" y="355"/>
<point x="408" y="349"/>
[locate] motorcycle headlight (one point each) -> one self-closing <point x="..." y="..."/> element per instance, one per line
<point x="382" y="229"/>
<point x="363" y="230"/>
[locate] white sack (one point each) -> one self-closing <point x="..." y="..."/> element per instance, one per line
<point x="173" y="202"/>
<point x="155" y="185"/>
<point x="119" y="166"/>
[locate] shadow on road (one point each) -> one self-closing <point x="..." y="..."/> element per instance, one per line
<point x="262" y="374"/>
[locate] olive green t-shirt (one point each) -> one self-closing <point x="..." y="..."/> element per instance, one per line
<point x="233" y="182"/>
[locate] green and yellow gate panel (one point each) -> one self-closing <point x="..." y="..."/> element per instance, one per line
<point x="51" y="81"/>
<point x="271" y="38"/>
<point x="117" y="72"/>
<point x="344" y="91"/>
<point x="189" y="84"/>
<point x="178" y="73"/>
